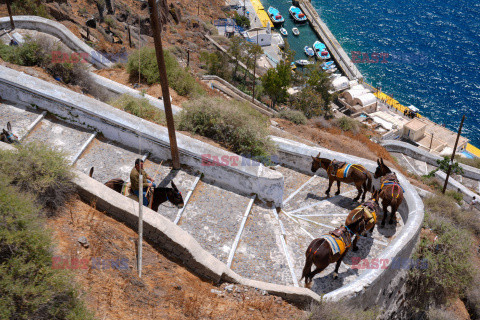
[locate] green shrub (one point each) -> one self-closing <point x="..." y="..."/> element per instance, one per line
<point x="40" y="170"/>
<point x="30" y="7"/>
<point x="110" y="21"/>
<point x="457" y="196"/>
<point x="232" y="124"/>
<point x="178" y="78"/>
<point x="469" y="162"/>
<point x="347" y="124"/>
<point x="28" y="54"/>
<point x="449" y="270"/>
<point x="140" y="108"/>
<point x="446" y="207"/>
<point x="242" y="21"/>
<point x="294" y="116"/>
<point x="29" y="287"/>
<point x="338" y="311"/>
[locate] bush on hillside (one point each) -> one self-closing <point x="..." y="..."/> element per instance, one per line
<point x="449" y="270"/>
<point x="294" y="116"/>
<point x="348" y="124"/>
<point x="42" y="171"/>
<point x="30" y="7"/>
<point x="178" y="78"/>
<point x="469" y="162"/>
<point x="28" y="54"/>
<point x="29" y="287"/>
<point x="140" y="108"/>
<point x="338" y="311"/>
<point x="230" y="123"/>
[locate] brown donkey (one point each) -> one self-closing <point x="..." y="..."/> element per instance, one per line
<point x="7" y="136"/>
<point x="366" y="214"/>
<point x="391" y="192"/>
<point x="347" y="173"/>
<point x="321" y="251"/>
<point x="160" y="194"/>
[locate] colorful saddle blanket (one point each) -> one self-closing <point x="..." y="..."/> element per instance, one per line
<point x="342" y="171"/>
<point x="126" y="189"/>
<point x="336" y="244"/>
<point x="369" y="212"/>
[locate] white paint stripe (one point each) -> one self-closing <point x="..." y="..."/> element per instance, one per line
<point x="297" y="222"/>
<point x="285" y="249"/>
<point x="298" y="190"/>
<point x="411" y="166"/>
<point x="189" y="194"/>
<point x="320" y="202"/>
<point x="426" y="168"/>
<point x="82" y="149"/>
<point x="322" y="215"/>
<point x="317" y="223"/>
<point x="145" y="156"/>
<point x="240" y="230"/>
<point x="34" y="123"/>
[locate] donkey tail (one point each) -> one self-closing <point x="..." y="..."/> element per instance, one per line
<point x="311" y="250"/>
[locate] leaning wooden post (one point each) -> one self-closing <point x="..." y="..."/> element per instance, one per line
<point x="453" y="155"/>
<point x="140" y="222"/>
<point x="10" y="14"/>
<point x="129" y="37"/>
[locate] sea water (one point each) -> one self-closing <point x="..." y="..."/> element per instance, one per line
<point x="432" y="51"/>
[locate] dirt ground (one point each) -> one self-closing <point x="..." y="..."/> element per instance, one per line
<point x="107" y="274"/>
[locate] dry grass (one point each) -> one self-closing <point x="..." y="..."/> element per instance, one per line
<point x="165" y="291"/>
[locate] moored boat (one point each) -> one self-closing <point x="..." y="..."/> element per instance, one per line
<point x="275" y="16"/>
<point x="295" y="31"/>
<point x="309" y="51"/>
<point x="303" y="62"/>
<point x="321" y="50"/>
<point x="297" y="14"/>
<point x="284" y="32"/>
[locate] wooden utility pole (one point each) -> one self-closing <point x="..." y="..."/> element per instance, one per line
<point x="453" y="155"/>
<point x="164" y="82"/>
<point x="129" y="37"/>
<point x="188" y="58"/>
<point x="140" y="222"/>
<point x="254" y="68"/>
<point x="10" y="14"/>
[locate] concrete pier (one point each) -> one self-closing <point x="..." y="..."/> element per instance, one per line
<point x="336" y="51"/>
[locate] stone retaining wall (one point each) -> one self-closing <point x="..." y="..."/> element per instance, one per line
<point x="246" y="177"/>
<point x="61" y="32"/>
<point x="376" y="286"/>
<point x="425" y="156"/>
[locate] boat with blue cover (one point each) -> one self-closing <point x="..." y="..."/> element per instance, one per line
<point x="309" y="51"/>
<point x="275" y="16"/>
<point x="321" y="50"/>
<point x="284" y="32"/>
<point x="297" y="14"/>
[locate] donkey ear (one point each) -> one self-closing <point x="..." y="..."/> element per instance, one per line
<point x="381" y="159"/>
<point x="378" y="162"/>
<point x="174" y="186"/>
<point x="90" y="174"/>
<point x="318" y="155"/>
<point x="9" y="126"/>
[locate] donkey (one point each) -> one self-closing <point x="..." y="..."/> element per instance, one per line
<point x="7" y="136"/>
<point x="160" y="194"/>
<point x="320" y="252"/>
<point x="366" y="214"/>
<point x="354" y="173"/>
<point x="391" y="192"/>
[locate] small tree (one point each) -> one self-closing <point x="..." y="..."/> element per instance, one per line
<point x="308" y="101"/>
<point x="242" y="21"/>
<point x="235" y="50"/>
<point x="216" y="63"/>
<point x="444" y="164"/>
<point x="276" y="81"/>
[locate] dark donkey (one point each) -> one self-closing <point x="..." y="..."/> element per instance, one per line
<point x="366" y="214"/>
<point x="7" y="136"/>
<point x="320" y="252"/>
<point x="391" y="192"/>
<point x="356" y="174"/>
<point x="160" y="194"/>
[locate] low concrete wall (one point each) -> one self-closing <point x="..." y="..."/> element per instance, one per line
<point x="173" y="240"/>
<point x="238" y="174"/>
<point x="375" y="286"/>
<point x="456" y="186"/>
<point x="256" y="104"/>
<point x="423" y="155"/>
<point x="61" y="32"/>
<point x="119" y="89"/>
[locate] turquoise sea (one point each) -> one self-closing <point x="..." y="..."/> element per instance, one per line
<point x="432" y="51"/>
